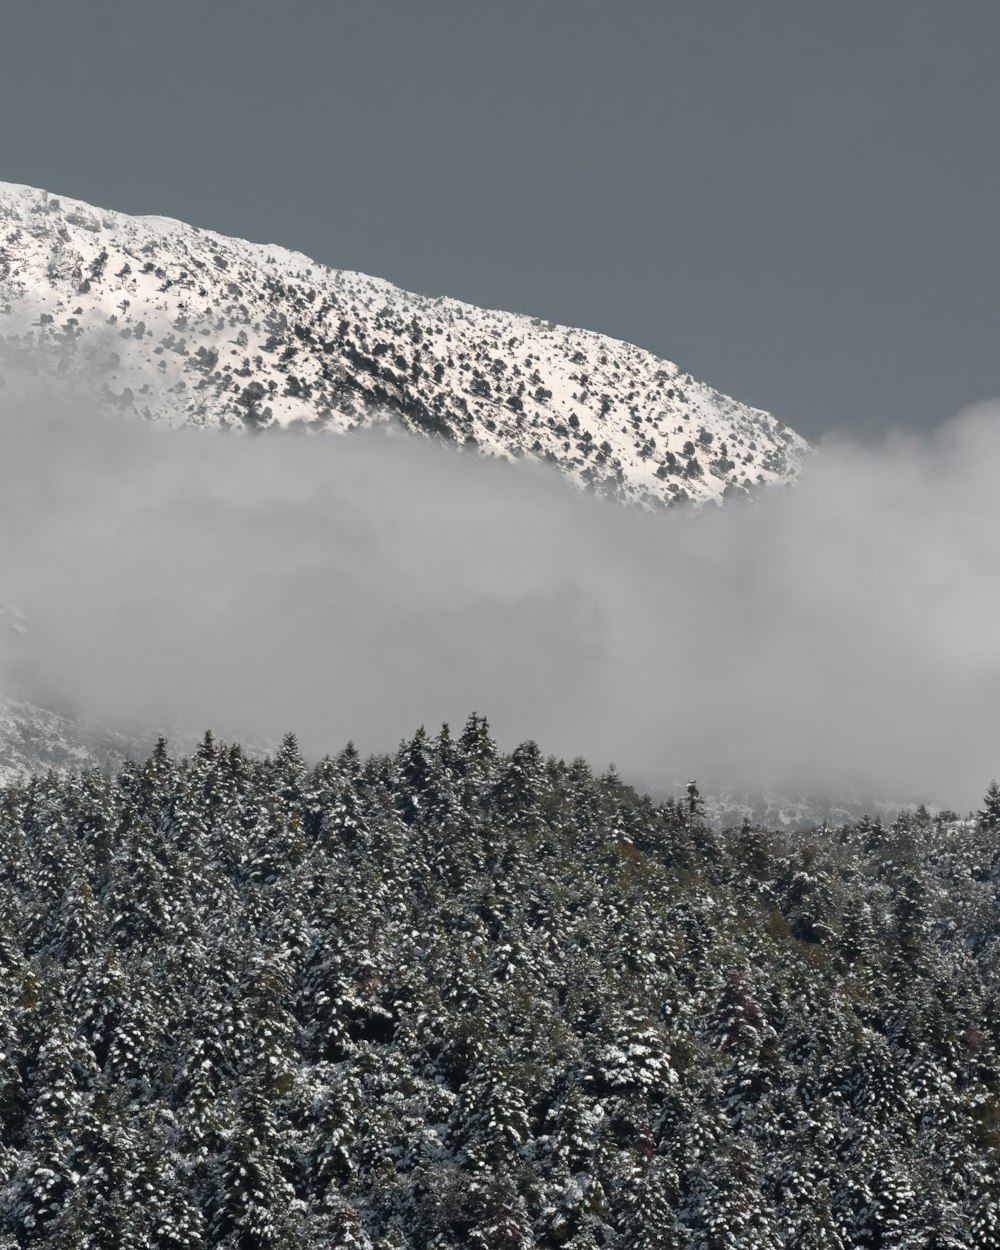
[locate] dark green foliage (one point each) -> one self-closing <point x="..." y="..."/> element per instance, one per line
<point x="454" y="998"/>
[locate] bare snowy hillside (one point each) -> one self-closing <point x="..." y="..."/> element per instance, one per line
<point x="181" y="325"/>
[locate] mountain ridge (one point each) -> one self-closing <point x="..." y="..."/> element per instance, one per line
<point x="154" y="318"/>
<point x="179" y="324"/>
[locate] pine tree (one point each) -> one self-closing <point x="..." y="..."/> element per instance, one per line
<point x="988" y="815"/>
<point x="251" y="1204"/>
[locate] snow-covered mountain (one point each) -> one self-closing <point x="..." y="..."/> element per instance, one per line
<point x="182" y="325"/>
<point x="151" y="317"/>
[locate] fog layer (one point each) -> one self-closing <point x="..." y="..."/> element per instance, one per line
<point x="843" y="632"/>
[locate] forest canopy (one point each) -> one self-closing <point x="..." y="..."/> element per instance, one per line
<point x="451" y="997"/>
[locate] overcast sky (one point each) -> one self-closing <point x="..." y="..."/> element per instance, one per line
<point x="797" y="201"/>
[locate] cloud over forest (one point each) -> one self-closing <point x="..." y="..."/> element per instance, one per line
<point x="842" y="632"/>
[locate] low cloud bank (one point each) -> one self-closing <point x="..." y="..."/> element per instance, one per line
<point x="846" y="632"/>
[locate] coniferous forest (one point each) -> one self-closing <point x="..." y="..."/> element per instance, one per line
<point x="450" y="997"/>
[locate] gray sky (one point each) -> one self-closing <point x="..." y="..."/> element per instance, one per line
<point x="797" y="201"/>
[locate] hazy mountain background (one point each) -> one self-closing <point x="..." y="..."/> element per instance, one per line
<point x="834" y="636"/>
<point x="792" y="202"/>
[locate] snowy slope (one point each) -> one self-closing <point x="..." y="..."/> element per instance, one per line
<point x="35" y="739"/>
<point x="182" y="325"/>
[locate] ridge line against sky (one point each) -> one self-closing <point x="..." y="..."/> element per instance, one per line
<point x="793" y="200"/>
